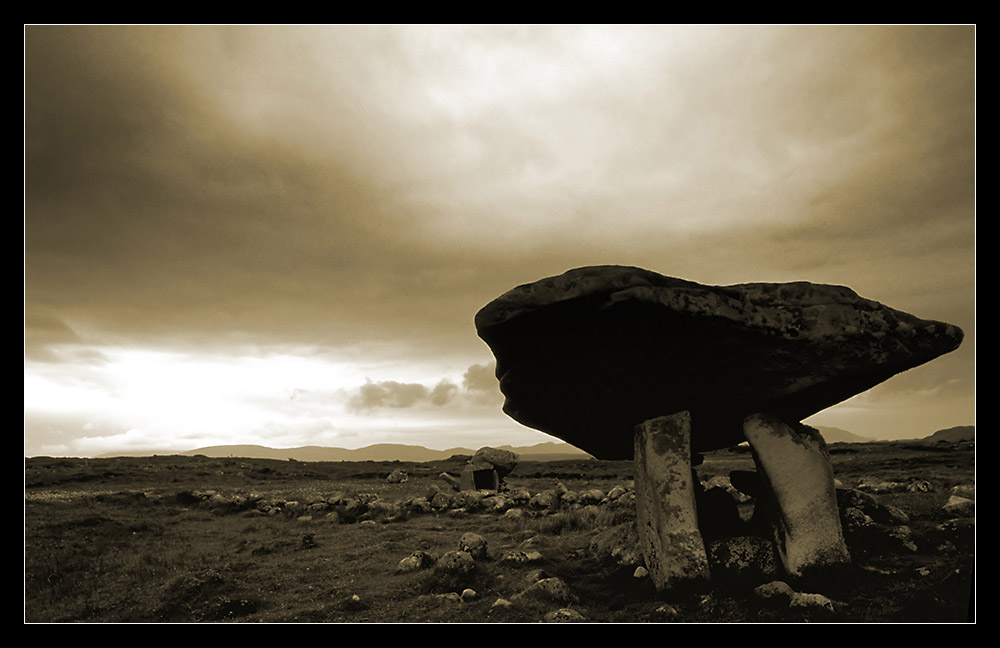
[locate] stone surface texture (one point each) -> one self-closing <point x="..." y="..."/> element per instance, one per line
<point x="799" y="493"/>
<point x="666" y="513"/>
<point x="503" y="461"/>
<point x="589" y="354"/>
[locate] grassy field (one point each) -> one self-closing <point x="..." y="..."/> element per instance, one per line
<point x="197" y="539"/>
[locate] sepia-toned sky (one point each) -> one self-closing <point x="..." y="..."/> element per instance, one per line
<point x="281" y="235"/>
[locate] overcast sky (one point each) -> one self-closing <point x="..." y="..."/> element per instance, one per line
<point x="281" y="235"/>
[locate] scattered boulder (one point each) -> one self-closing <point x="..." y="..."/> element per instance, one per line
<point x="957" y="506"/>
<point x="546" y="590"/>
<point x="968" y="491"/>
<point x="547" y="499"/>
<point x="564" y="615"/>
<point x="804" y="600"/>
<point x="456" y="562"/>
<point x="397" y="476"/>
<point x="521" y="557"/>
<point x="619" y="545"/>
<point x="415" y="562"/>
<point x="473" y="544"/>
<point x="775" y="591"/>
<point x="456" y="484"/>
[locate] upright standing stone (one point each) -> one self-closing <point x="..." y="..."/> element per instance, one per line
<point x="799" y="492"/>
<point x="665" y="506"/>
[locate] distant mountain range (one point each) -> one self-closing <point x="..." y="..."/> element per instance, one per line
<point x="548" y="451"/>
<point x="954" y="434"/>
<point x="384" y="452"/>
<point x="836" y="435"/>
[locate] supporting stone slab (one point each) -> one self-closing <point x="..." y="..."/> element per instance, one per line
<point x="799" y="492"/>
<point x="665" y="503"/>
<point x="479" y="476"/>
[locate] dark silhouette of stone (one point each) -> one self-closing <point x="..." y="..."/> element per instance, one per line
<point x="503" y="461"/>
<point x="588" y="355"/>
<point x="480" y="476"/>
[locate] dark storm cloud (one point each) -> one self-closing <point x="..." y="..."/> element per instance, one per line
<point x="338" y="184"/>
<point x="148" y="209"/>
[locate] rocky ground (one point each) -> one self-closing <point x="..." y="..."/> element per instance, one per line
<point x="197" y="539"/>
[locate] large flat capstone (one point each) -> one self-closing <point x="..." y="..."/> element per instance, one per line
<point x="588" y="355"/>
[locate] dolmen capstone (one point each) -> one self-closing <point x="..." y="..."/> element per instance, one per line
<point x="625" y="363"/>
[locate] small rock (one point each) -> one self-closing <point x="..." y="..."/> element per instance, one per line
<point x="968" y="491"/>
<point x="534" y="576"/>
<point x="564" y="615"/>
<point x="802" y="600"/>
<point x="775" y="591"/>
<point x="957" y="506"/>
<point x="548" y="589"/>
<point x="469" y="594"/>
<point x="667" y="611"/>
<point x="456" y="562"/>
<point x="474" y="544"/>
<point x="397" y="476"/>
<point x="415" y="562"/>
<point x="455" y="483"/>
<point x="501" y="603"/>
<point x="549" y="499"/>
<point x="640" y="572"/>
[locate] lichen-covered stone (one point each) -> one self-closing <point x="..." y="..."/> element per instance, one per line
<point x="666" y="514"/>
<point x="801" y="496"/>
